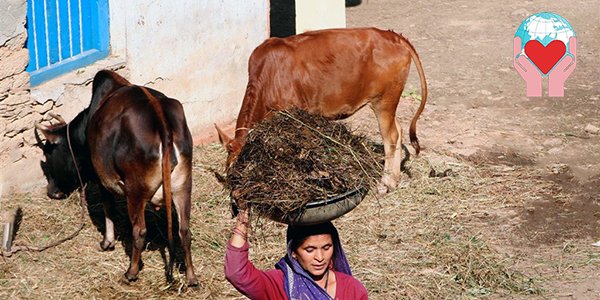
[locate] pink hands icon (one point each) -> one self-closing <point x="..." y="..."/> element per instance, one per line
<point x="533" y="77"/>
<point x="562" y="71"/>
<point x="527" y="70"/>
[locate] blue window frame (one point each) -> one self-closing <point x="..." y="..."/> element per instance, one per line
<point x="64" y="35"/>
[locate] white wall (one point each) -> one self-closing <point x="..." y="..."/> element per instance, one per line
<point x="195" y="51"/>
<point x="320" y="14"/>
<point x="192" y="50"/>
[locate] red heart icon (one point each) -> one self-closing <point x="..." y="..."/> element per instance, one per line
<point x="545" y="57"/>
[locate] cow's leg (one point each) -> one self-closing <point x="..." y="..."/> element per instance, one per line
<point x="135" y="209"/>
<point x="108" y="241"/>
<point x="385" y="111"/>
<point x="398" y="154"/>
<point x="182" y="201"/>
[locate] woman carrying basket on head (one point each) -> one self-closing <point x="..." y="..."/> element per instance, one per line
<point x="315" y="266"/>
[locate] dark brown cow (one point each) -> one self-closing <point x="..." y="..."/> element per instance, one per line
<point x="332" y="73"/>
<point x="135" y="142"/>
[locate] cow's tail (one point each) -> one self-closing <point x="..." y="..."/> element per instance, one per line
<point x="414" y="141"/>
<point x="167" y="142"/>
<point x="166" y="138"/>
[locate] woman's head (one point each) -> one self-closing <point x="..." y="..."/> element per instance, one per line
<point x="313" y="246"/>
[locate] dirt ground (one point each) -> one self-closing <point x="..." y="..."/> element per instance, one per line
<point x="516" y="218"/>
<point x="478" y="110"/>
<point x="477" y="98"/>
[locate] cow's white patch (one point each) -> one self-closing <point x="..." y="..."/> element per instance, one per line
<point x="178" y="177"/>
<point x="157" y="199"/>
<point x="109" y="233"/>
<point x="177" y="154"/>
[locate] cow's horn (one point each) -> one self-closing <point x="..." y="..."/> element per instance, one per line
<point x="40" y="127"/>
<point x="223" y="137"/>
<point x="58" y="117"/>
<point x="38" y="140"/>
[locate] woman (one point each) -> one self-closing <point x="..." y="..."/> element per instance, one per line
<point x="315" y="266"/>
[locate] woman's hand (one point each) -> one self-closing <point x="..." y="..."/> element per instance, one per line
<point x="240" y="231"/>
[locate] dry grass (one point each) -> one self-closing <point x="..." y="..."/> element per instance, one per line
<point x="294" y="158"/>
<point x="427" y="240"/>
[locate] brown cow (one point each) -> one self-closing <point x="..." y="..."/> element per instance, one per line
<point x="332" y="73"/>
<point x="134" y="141"/>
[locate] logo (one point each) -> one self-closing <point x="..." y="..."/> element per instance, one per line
<point x="545" y="46"/>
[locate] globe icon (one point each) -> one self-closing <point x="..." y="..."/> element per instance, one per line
<point x="545" y="27"/>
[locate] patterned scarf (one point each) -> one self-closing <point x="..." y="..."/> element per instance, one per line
<point x="297" y="282"/>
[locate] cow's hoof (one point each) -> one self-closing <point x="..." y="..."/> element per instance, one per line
<point x="382" y="189"/>
<point x="106" y="245"/>
<point x="193" y="282"/>
<point x="128" y="278"/>
<point x="169" y="278"/>
<point x="387" y="184"/>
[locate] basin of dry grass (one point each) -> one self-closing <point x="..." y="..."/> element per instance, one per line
<point x="294" y="158"/>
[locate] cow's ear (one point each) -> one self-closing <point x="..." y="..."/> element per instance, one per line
<point x="53" y="138"/>
<point x="52" y="135"/>
<point x="223" y="138"/>
<point x="233" y="146"/>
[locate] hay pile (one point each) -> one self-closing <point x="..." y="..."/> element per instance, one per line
<point x="475" y="267"/>
<point x="294" y="158"/>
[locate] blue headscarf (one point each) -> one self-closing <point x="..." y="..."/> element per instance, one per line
<point x="298" y="283"/>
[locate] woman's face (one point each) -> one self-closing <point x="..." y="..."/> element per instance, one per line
<point x="314" y="254"/>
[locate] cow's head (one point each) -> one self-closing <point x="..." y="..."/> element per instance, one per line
<point x="58" y="167"/>
<point x="232" y="145"/>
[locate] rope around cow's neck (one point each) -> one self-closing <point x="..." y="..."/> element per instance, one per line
<point x="22" y="246"/>
<point x="74" y="161"/>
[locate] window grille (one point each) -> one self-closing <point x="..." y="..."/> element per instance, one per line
<point x="64" y="35"/>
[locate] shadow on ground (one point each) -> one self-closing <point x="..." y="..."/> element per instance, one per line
<point x="156" y="226"/>
<point x="568" y="209"/>
<point x="557" y="218"/>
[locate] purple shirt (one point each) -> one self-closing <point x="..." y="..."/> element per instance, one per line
<point x="258" y="284"/>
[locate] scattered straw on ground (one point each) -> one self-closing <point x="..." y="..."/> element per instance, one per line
<point x="434" y="238"/>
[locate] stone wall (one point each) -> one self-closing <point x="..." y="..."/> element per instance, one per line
<point x="17" y="112"/>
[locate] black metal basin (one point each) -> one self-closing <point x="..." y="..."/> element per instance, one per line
<point x="324" y="210"/>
